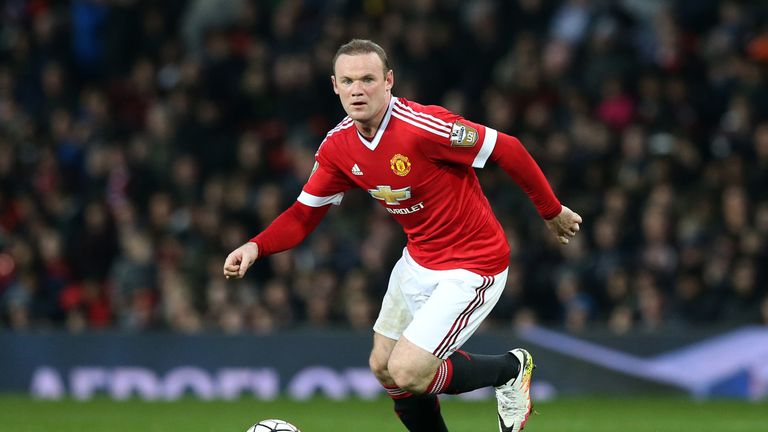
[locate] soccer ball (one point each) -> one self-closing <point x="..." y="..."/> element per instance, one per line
<point x="273" y="425"/>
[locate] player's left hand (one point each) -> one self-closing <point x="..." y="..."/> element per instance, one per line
<point x="565" y="225"/>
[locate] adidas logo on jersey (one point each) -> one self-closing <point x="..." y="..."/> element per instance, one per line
<point x="356" y="170"/>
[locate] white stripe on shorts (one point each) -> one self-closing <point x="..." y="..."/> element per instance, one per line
<point x="461" y="321"/>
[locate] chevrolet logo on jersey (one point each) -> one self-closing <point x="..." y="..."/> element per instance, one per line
<point x="389" y="196"/>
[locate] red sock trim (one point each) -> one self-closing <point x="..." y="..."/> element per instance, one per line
<point x="442" y="378"/>
<point x="396" y="392"/>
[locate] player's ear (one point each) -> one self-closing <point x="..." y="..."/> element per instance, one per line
<point x="389" y="79"/>
<point x="335" y="87"/>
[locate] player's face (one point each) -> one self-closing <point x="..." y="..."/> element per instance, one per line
<point x="363" y="87"/>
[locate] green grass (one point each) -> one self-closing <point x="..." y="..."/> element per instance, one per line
<point x="20" y="414"/>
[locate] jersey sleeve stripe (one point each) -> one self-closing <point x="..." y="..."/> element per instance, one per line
<point x="422" y="116"/>
<point x="489" y="142"/>
<point x="419" y="125"/>
<point x="425" y="121"/>
<point x="316" y="201"/>
<point x="343" y="125"/>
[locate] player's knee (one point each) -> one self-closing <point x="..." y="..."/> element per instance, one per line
<point x="408" y="377"/>
<point x="378" y="366"/>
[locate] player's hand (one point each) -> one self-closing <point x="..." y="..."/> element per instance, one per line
<point x="238" y="262"/>
<point x="565" y="225"/>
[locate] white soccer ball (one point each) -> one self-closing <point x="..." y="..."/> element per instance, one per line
<point x="273" y="425"/>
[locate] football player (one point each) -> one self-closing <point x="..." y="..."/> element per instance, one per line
<point x="419" y="163"/>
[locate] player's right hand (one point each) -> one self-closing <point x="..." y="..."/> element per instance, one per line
<point x="238" y="262"/>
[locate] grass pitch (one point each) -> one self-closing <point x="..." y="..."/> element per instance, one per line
<point x="21" y="414"/>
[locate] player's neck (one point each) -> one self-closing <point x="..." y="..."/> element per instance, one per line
<point x="369" y="128"/>
<point x="366" y="131"/>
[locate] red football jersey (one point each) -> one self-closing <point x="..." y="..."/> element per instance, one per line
<point x="420" y="167"/>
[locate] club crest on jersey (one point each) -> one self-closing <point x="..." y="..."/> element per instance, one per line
<point x="463" y="135"/>
<point x="400" y="165"/>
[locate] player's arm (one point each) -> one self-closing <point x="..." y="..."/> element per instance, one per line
<point x="513" y="158"/>
<point x="464" y="142"/>
<point x="285" y="232"/>
<point x="325" y="186"/>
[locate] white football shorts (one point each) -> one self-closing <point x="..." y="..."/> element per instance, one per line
<point x="438" y="310"/>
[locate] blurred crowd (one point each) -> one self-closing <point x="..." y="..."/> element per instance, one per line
<point x="141" y="141"/>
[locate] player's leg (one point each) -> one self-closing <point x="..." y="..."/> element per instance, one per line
<point x="454" y="309"/>
<point x="451" y="314"/>
<point x="419" y="413"/>
<point x="382" y="349"/>
<point x="418" y="371"/>
<point x="411" y="367"/>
